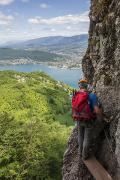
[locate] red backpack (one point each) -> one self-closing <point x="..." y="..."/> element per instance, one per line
<point x="80" y="107"/>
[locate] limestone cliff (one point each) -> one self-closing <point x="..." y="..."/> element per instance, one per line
<point x="101" y="65"/>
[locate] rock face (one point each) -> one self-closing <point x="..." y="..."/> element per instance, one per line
<point x="101" y="65"/>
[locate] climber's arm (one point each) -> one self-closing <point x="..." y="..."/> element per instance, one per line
<point x="96" y="106"/>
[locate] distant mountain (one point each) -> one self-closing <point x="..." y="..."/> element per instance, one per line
<point x="36" y="55"/>
<point x="48" y="49"/>
<point x="48" y="41"/>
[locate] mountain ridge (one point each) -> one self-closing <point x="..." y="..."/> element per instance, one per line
<point x="47" y="41"/>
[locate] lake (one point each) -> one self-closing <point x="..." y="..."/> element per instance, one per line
<point x="68" y="76"/>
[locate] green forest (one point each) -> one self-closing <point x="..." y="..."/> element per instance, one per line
<point x="35" y="123"/>
<point x="36" y="55"/>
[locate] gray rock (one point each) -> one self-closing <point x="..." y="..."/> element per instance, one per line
<point x="101" y="65"/>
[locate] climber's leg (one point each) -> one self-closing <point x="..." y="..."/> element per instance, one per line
<point x="98" y="127"/>
<point x="80" y="137"/>
<point x="88" y="143"/>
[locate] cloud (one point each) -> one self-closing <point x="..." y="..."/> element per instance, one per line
<point x="53" y="30"/>
<point x="44" y="6"/>
<point x="4" y="19"/>
<point x="60" y="20"/>
<point x="10" y="33"/>
<point x="68" y="27"/>
<point x="5" y="2"/>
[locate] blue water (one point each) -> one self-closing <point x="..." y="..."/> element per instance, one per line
<point x="67" y="76"/>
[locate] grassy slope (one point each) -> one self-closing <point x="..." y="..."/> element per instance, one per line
<point x="34" y="112"/>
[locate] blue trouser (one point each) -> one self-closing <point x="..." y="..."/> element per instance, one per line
<point x="88" y="132"/>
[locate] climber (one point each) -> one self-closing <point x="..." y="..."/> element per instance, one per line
<point x="88" y="114"/>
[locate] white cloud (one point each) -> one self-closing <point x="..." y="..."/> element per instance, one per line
<point x="5" y="2"/>
<point x="68" y="27"/>
<point x="4" y="19"/>
<point x="11" y="34"/>
<point x="53" y="30"/>
<point x="72" y="19"/>
<point x="44" y="6"/>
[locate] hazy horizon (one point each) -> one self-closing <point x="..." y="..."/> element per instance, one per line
<point x="17" y="41"/>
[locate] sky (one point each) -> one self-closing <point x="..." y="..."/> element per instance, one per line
<point x="29" y="19"/>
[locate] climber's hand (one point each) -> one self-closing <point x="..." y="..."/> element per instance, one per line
<point x="98" y="110"/>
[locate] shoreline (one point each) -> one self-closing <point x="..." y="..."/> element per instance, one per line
<point x="42" y="63"/>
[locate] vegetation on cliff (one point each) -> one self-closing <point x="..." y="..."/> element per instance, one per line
<point x="33" y="128"/>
